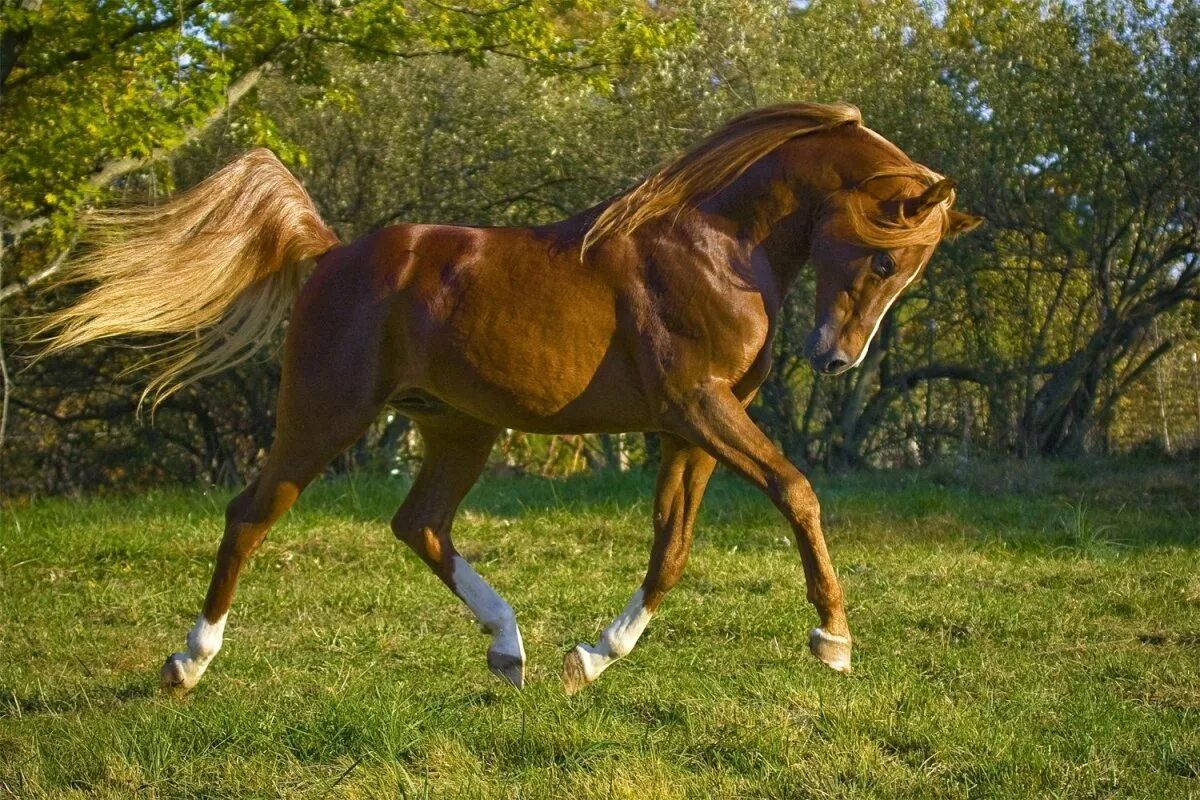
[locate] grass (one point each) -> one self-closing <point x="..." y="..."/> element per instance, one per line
<point x="1020" y="632"/>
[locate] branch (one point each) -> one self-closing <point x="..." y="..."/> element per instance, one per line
<point x="12" y="41"/>
<point x="19" y="228"/>
<point x="1122" y="387"/>
<point x="105" y="413"/>
<point x="109" y="171"/>
<point x="389" y="218"/>
<point x="496" y="49"/>
<point x="528" y="194"/>
<point x="958" y="372"/>
<point x="1138" y="371"/>
<point x="480" y="14"/>
<point x="21" y="284"/>
<point x="391" y="53"/>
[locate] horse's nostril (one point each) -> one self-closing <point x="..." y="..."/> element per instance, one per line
<point x="834" y="364"/>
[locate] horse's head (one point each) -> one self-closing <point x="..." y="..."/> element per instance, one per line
<point x="871" y="243"/>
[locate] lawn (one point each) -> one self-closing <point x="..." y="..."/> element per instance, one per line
<point x="1021" y="631"/>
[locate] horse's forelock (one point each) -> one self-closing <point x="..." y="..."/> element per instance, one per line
<point x="894" y="230"/>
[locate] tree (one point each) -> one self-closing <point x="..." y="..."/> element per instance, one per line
<point x="91" y="93"/>
<point x="1070" y="126"/>
<point x="1095" y="106"/>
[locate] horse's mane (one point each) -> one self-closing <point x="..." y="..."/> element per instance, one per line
<point x="716" y="162"/>
<point x="725" y="155"/>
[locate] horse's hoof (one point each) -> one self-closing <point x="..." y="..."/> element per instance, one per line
<point x="574" y="678"/>
<point x="175" y="677"/>
<point x="510" y="668"/>
<point x="831" y="649"/>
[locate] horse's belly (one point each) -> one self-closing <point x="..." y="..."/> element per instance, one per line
<point x="539" y="383"/>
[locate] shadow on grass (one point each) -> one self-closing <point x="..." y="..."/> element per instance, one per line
<point x="1090" y="507"/>
<point x="24" y="704"/>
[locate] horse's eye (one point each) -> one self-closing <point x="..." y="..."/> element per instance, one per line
<point x="883" y="265"/>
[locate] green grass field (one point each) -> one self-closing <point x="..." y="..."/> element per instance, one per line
<point x="1020" y="632"/>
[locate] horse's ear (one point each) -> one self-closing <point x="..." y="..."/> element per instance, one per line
<point x="935" y="195"/>
<point x="961" y="223"/>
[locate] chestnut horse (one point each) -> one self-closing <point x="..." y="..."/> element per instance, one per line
<point x="651" y="312"/>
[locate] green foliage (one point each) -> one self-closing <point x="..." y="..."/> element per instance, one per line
<point x="90" y="84"/>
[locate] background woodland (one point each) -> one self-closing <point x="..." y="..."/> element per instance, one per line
<point x="1068" y="326"/>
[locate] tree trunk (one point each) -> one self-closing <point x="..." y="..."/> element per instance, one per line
<point x="1065" y="408"/>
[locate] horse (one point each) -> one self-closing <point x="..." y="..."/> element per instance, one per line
<point x="651" y="312"/>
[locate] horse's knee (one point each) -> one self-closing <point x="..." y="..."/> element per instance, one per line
<point x="795" y="495"/>
<point x="237" y="510"/>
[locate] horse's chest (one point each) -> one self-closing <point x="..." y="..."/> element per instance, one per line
<point x="756" y="373"/>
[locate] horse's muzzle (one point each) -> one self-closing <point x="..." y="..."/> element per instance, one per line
<point x="825" y="353"/>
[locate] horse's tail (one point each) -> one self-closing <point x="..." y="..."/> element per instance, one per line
<point x="216" y="269"/>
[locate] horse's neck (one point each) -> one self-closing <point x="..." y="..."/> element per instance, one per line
<point x="770" y="209"/>
<point x="770" y="212"/>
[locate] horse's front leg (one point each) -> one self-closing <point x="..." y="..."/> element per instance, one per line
<point x="682" y="476"/>
<point x="713" y="418"/>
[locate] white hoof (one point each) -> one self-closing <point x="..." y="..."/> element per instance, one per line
<point x="574" y="674"/>
<point x="183" y="670"/>
<point x="831" y="649"/>
<point x="180" y="673"/>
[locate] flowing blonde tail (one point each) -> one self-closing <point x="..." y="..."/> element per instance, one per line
<point x="218" y="267"/>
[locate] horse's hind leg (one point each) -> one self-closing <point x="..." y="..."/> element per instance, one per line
<point x="456" y="451"/>
<point x="304" y="445"/>
<point x="682" y="478"/>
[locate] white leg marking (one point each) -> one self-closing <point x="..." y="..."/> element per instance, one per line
<point x="495" y="615"/>
<point x="203" y="643"/>
<point x="617" y="640"/>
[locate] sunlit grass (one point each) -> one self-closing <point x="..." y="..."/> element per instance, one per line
<point x="1020" y="632"/>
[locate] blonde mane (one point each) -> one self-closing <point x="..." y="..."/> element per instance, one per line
<point x="725" y="155"/>
<point x="715" y="163"/>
